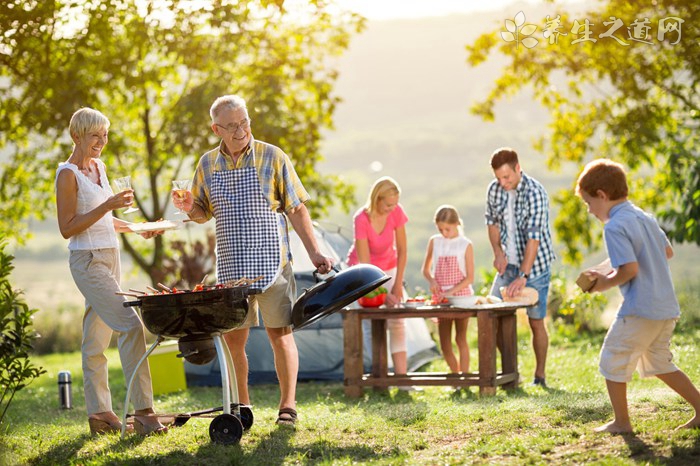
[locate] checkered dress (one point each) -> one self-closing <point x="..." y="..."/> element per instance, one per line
<point x="531" y="219"/>
<point x="247" y="234"/>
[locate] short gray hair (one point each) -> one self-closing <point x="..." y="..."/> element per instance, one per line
<point x="87" y="120"/>
<point x="231" y="102"/>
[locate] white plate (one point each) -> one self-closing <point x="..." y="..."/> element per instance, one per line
<point x="413" y="304"/>
<point x="154" y="226"/>
<point x="462" y="301"/>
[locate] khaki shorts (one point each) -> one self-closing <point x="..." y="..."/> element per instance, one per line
<point x="275" y="304"/>
<point x="637" y="343"/>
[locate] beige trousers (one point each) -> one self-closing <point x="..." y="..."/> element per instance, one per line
<point x="96" y="274"/>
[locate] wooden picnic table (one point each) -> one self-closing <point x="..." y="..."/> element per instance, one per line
<point x="493" y="321"/>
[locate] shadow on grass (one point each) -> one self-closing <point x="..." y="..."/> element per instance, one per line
<point x="641" y="452"/>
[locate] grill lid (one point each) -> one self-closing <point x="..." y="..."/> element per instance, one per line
<point x="336" y="292"/>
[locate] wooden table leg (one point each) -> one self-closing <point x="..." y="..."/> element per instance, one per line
<point x="352" y="353"/>
<point x="380" y="367"/>
<point x="509" y="351"/>
<point x="485" y="321"/>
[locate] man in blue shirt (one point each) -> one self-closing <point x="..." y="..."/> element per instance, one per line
<point x="640" y="337"/>
<point x="517" y="218"/>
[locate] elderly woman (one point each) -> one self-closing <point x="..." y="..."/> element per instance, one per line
<point x="85" y="202"/>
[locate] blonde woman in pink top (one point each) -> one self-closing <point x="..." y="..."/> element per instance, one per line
<point x="380" y="239"/>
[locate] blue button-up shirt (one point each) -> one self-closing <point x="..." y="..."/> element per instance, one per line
<point x="632" y="235"/>
<point x="531" y="220"/>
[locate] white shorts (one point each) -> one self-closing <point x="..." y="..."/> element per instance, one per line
<point x="637" y="343"/>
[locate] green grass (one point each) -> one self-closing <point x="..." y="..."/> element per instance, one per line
<point x="435" y="426"/>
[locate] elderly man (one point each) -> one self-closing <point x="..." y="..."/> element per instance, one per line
<point x="517" y="218"/>
<point x="251" y="189"/>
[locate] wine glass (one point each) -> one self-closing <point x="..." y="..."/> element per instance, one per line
<point x="180" y="188"/>
<point x="123" y="184"/>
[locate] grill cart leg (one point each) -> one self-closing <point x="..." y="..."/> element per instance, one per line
<point x="242" y="412"/>
<point x="131" y="381"/>
<point x="226" y="373"/>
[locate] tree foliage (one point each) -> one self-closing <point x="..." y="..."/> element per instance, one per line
<point x="154" y="68"/>
<point x="637" y="103"/>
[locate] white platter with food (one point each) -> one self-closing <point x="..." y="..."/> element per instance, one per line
<point x="154" y="226"/>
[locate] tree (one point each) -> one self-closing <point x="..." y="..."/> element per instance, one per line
<point x="636" y="103"/>
<point x="154" y="68"/>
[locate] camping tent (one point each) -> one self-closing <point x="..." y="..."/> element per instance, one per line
<point x="320" y="344"/>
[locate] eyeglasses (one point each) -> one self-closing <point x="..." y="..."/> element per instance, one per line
<point x="234" y="127"/>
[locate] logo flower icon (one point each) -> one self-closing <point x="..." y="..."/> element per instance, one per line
<point x="514" y="31"/>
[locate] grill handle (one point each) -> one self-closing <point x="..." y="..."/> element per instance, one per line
<point x="331" y="273"/>
<point x="133" y="303"/>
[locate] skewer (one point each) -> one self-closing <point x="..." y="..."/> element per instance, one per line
<point x="165" y="287"/>
<point x="137" y="291"/>
<point x="204" y="278"/>
<point x="123" y="293"/>
<point x="250" y="282"/>
<point x="150" y="288"/>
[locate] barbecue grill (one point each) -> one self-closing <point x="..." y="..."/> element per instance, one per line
<point x="201" y="316"/>
<point x="195" y="318"/>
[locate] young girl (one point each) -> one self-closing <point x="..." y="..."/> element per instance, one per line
<point x="449" y="269"/>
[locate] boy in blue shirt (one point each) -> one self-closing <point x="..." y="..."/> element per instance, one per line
<point x="639" y="251"/>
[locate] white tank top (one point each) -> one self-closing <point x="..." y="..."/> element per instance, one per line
<point x="451" y="247"/>
<point x="100" y="234"/>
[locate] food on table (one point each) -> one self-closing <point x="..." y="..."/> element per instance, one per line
<point x="527" y="295"/>
<point x="374" y="298"/>
<point x="416" y="301"/>
<point x="490" y="299"/>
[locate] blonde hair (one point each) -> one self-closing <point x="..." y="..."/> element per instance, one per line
<point x="447" y="214"/>
<point x="383" y="187"/>
<point x="231" y="102"/>
<point x="87" y="120"/>
<point x="603" y="175"/>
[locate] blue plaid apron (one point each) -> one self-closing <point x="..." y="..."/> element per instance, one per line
<point x="247" y="230"/>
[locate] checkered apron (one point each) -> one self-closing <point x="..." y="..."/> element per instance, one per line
<point x="247" y="233"/>
<point x="447" y="275"/>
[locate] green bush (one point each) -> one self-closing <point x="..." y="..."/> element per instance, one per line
<point x="574" y="312"/>
<point x="16" y="337"/>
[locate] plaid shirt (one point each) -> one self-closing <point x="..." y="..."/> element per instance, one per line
<point x="279" y="181"/>
<point x="531" y="219"/>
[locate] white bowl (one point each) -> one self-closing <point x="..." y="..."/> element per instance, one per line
<point x="462" y="301"/>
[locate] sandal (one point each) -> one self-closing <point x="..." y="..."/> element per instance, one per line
<point x="287" y="417"/>
<point x="145" y="428"/>
<point x="101" y="426"/>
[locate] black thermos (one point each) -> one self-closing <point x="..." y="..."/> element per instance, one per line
<point x="65" y="395"/>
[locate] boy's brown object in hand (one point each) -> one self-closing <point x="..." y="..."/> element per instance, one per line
<point x="586" y="280"/>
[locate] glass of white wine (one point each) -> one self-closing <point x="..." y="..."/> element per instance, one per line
<point x="123" y="184"/>
<point x="180" y="188"/>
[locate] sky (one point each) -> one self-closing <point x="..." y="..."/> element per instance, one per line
<point x="391" y="9"/>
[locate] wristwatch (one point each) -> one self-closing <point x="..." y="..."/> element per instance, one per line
<point x="524" y="275"/>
